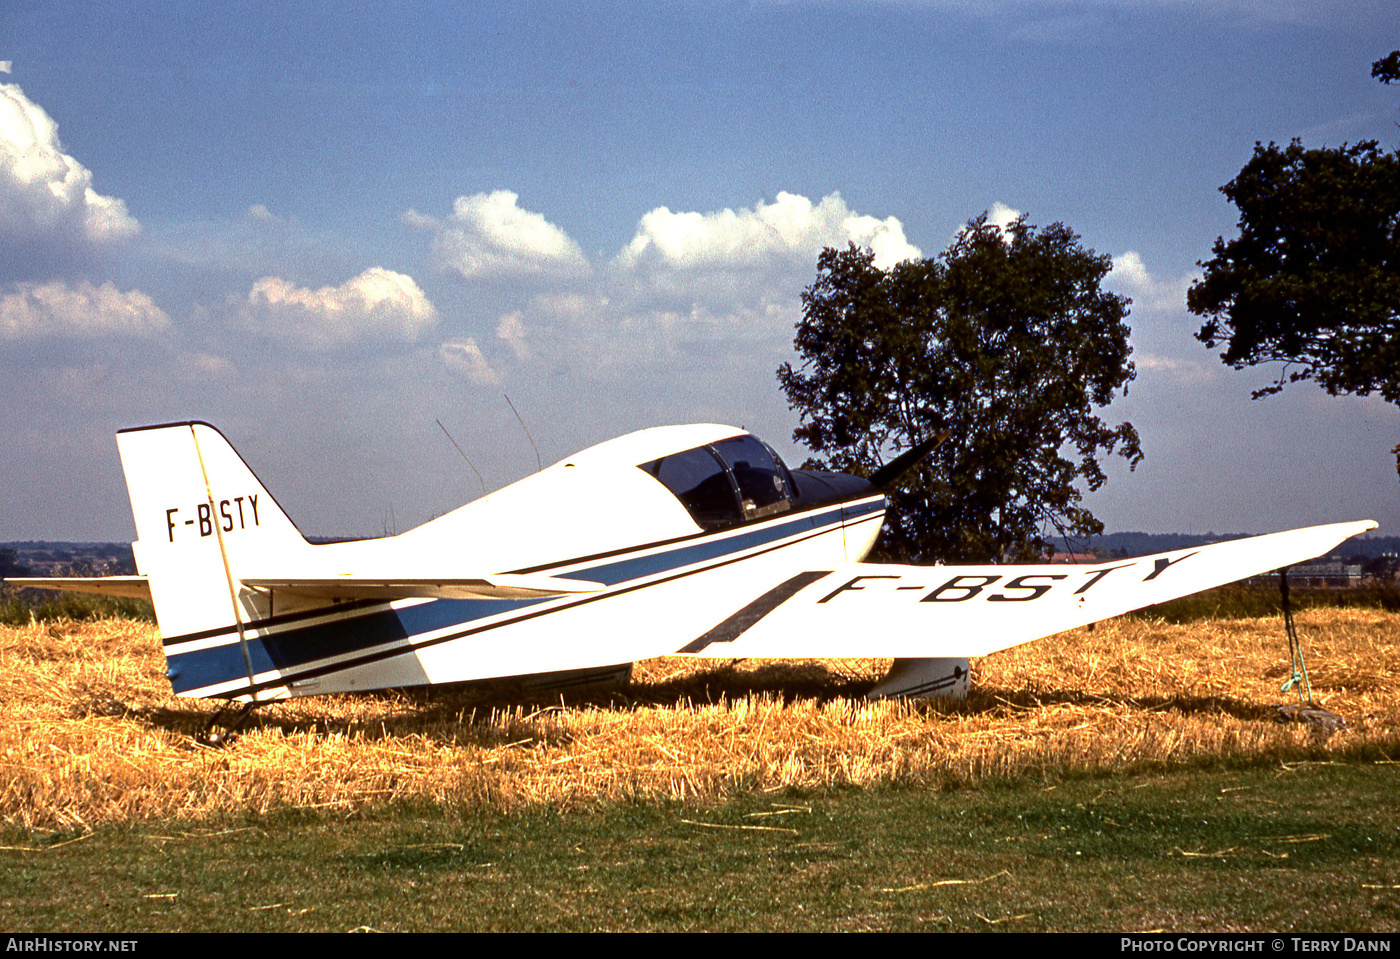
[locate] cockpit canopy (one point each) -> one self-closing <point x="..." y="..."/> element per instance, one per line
<point x="740" y="479"/>
<point x="727" y="482"/>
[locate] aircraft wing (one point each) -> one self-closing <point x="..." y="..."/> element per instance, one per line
<point x="349" y="587"/>
<point x="124" y="587"/>
<point x="872" y="609"/>
<point x="497" y="586"/>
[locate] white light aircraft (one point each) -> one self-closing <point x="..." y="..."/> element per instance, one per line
<point x="682" y="540"/>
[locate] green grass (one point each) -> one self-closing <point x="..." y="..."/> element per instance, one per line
<point x="1237" y="601"/>
<point x="1312" y="847"/>
<point x="18" y="607"/>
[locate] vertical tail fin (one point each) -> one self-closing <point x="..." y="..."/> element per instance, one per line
<point x="202" y="517"/>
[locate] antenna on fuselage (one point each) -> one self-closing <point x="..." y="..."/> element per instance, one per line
<point x="539" y="462"/>
<point x="464" y="456"/>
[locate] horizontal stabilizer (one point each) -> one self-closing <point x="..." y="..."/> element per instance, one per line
<point x="498" y="586"/>
<point x="122" y="587"/>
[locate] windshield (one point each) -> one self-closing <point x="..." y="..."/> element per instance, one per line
<point x="726" y="483"/>
<point x="762" y="491"/>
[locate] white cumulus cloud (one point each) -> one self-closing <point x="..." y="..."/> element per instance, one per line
<point x="44" y="192"/>
<point x="488" y="235"/>
<point x="377" y="304"/>
<point x="57" y="309"/>
<point x="789" y="227"/>
<point x="511" y="330"/>
<point x="1002" y="216"/>
<point x="465" y="358"/>
<point x="1131" y="277"/>
<point x="261" y="214"/>
<point x="689" y="286"/>
<point x="1180" y="371"/>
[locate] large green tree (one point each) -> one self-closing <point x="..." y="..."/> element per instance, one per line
<point x="1312" y="282"/>
<point x="1007" y="342"/>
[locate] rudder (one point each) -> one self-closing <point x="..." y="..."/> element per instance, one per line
<point x="202" y="518"/>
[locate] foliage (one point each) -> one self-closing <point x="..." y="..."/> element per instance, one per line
<point x="1006" y="341"/>
<point x="9" y="566"/>
<point x="1388" y="68"/>
<point x="1313" y="279"/>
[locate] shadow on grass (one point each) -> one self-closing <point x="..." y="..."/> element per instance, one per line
<point x="494" y="713"/>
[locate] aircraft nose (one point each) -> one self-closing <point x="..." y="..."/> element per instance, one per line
<point x="818" y="487"/>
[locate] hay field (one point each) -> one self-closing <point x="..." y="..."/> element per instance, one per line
<point x="90" y="733"/>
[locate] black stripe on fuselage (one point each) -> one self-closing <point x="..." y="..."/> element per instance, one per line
<point x="735" y="626"/>
<point x="348" y="606"/>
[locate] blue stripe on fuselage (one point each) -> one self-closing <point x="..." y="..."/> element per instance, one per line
<point x="698" y="551"/>
<point x="285" y="651"/>
<point x="393" y="629"/>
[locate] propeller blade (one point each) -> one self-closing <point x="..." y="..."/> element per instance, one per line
<point x="886" y="476"/>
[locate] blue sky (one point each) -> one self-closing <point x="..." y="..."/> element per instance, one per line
<point x="322" y="227"/>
